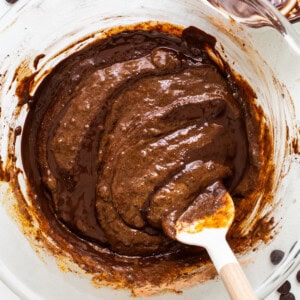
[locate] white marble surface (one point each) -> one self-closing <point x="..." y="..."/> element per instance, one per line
<point x="7" y="294"/>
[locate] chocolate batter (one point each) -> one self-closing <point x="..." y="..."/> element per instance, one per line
<point x="122" y="137"/>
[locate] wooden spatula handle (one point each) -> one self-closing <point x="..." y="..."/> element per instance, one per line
<point x="236" y="283"/>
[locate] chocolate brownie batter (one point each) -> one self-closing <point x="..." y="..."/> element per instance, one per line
<point x="123" y="137"/>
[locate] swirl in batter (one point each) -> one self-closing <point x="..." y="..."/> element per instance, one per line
<point x="124" y="136"/>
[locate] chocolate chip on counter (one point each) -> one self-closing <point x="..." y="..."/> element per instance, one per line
<point x="289" y="296"/>
<point x="276" y="256"/>
<point x="285" y="288"/>
<point x="298" y="276"/>
<point x="11" y="1"/>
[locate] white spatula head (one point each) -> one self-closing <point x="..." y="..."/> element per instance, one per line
<point x="211" y="211"/>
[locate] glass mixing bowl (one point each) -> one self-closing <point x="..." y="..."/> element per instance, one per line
<point x="268" y="58"/>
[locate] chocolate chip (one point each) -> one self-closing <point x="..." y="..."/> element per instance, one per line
<point x="289" y="296"/>
<point x="298" y="276"/>
<point x="11" y="1"/>
<point x="276" y="256"/>
<point x="285" y="288"/>
<point x="18" y="130"/>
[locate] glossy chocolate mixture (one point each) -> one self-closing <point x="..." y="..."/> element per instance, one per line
<point x="123" y="136"/>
